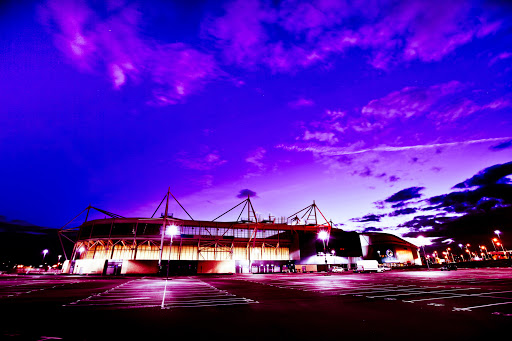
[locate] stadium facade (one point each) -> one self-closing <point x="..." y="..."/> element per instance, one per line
<point x="119" y="245"/>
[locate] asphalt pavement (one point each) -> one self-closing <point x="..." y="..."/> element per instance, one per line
<point x="468" y="304"/>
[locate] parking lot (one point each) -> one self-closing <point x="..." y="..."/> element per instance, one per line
<point x="466" y="290"/>
<point x="470" y="303"/>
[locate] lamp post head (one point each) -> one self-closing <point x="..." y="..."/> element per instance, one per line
<point x="323" y="235"/>
<point x="172" y="230"/>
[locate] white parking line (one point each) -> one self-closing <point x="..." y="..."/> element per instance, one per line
<point x="179" y="293"/>
<point x="480" y="306"/>
<point x="456" y="296"/>
<point x="422" y="292"/>
<point x="384" y="289"/>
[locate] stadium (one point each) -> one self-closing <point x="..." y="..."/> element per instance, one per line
<point x="303" y="242"/>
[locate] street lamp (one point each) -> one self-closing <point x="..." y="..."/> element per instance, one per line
<point x="423" y="241"/>
<point x="45" y="252"/>
<point x="484" y="251"/>
<point x="494" y="245"/>
<point x="498" y="232"/>
<point x="504" y="252"/>
<point x="469" y="251"/>
<point x="324" y="236"/>
<point x="171" y="230"/>
<point x="461" y="255"/>
<point x="448" y="251"/>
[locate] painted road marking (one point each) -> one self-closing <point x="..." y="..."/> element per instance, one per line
<point x="166" y="294"/>
<point x="456" y="296"/>
<point x="27" y="287"/>
<point x="422" y="292"/>
<point x="480" y="306"/>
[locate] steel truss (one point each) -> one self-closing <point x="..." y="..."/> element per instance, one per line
<point x="221" y="245"/>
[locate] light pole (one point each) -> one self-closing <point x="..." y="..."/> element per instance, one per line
<point x="448" y="251"/>
<point x="504" y="253"/>
<point x="469" y="252"/>
<point x="170" y="230"/>
<point x="494" y="245"/>
<point x="462" y="254"/>
<point x="324" y="236"/>
<point x="423" y="241"/>
<point x="498" y="232"/>
<point x="485" y="254"/>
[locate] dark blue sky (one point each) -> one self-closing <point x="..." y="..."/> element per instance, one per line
<point x="345" y="103"/>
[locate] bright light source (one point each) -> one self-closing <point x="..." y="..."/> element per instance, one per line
<point x="497" y="232"/>
<point x="323" y="235"/>
<point x="421" y="241"/>
<point x="172" y="230"/>
<point x="45" y="252"/>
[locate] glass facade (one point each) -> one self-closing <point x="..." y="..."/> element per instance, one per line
<point x="137" y="239"/>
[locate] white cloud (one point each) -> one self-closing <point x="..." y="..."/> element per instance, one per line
<point x="320" y="136"/>
<point x="339" y="151"/>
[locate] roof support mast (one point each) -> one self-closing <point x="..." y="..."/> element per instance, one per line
<point x="250" y="209"/>
<point x="63" y="229"/>
<point x="310" y="213"/>
<point x="164" y="226"/>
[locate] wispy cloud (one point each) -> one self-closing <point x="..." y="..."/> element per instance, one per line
<point x="296" y="34"/>
<point x="501" y="56"/>
<point x="440" y="103"/>
<point x="255" y="158"/>
<point x="409" y="101"/>
<point x="423" y="110"/>
<point x="109" y="41"/>
<point x="320" y="136"/>
<point x="339" y="151"/>
<point x="300" y="103"/>
<point x="206" y="160"/>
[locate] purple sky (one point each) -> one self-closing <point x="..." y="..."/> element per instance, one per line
<point x="342" y="102"/>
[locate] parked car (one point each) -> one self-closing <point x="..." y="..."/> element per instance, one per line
<point x="385" y="268"/>
<point x="449" y="266"/>
<point x="337" y="269"/>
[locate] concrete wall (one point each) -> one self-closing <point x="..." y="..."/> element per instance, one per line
<point x="131" y="267"/>
<point x="89" y="266"/>
<point x="214" y="266"/>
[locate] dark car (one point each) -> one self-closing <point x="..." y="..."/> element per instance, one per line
<point x="449" y="266"/>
